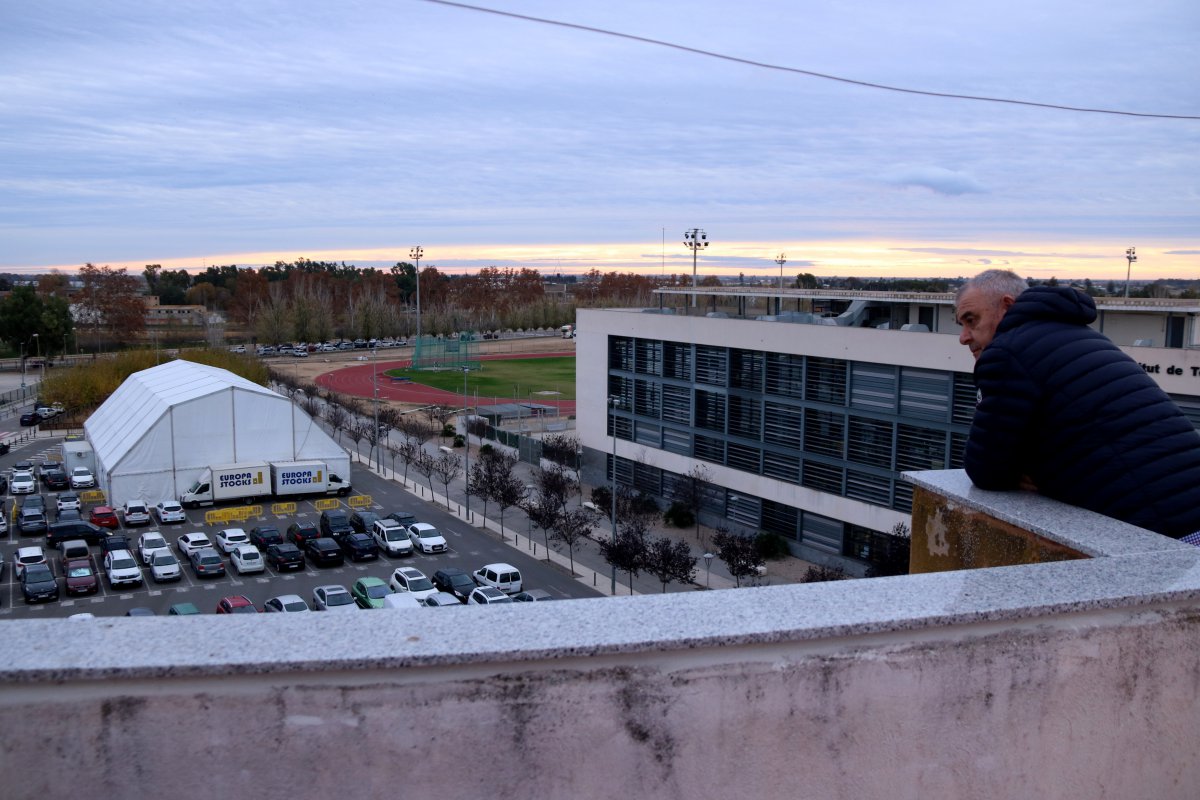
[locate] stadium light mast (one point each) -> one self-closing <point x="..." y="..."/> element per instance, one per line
<point x="695" y="239"/>
<point x="1130" y="256"/>
<point x="781" y="259"/>
<point x="415" y="254"/>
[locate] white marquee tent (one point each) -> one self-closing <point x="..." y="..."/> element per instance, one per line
<point x="159" y="430"/>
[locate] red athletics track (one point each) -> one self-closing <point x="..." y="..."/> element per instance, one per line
<point x="356" y="381"/>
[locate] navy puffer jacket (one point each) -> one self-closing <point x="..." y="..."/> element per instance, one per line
<point x="1062" y="404"/>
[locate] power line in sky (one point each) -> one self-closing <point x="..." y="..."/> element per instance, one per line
<point x="809" y="73"/>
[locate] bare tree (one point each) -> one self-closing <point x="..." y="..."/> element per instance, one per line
<point x="690" y="491"/>
<point x="739" y="553"/>
<point x="337" y="418"/>
<point x="625" y="551"/>
<point x="557" y="485"/>
<point x="543" y="512"/>
<point x="311" y="406"/>
<point x="479" y="481"/>
<point x="573" y="526"/>
<point x="356" y="432"/>
<point x="508" y="489"/>
<point x="447" y="467"/>
<point x="670" y="560"/>
<point x="424" y="464"/>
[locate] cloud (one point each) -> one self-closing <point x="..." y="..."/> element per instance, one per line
<point x="936" y="179"/>
<point x="1181" y="252"/>
<point x="983" y="255"/>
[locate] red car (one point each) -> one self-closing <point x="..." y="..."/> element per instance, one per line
<point x="81" y="577"/>
<point x="236" y="604"/>
<point x="105" y="517"/>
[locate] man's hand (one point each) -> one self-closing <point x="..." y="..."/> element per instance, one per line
<point x="1027" y="484"/>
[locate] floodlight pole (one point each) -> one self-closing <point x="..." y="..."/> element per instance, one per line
<point x="415" y="254"/>
<point x="467" y="441"/>
<point x="1130" y="256"/>
<point x="695" y="239"/>
<point x="375" y="387"/>
<point x="39" y="354"/>
<point x="781" y="259"/>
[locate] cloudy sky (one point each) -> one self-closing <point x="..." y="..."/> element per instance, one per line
<point x="200" y="132"/>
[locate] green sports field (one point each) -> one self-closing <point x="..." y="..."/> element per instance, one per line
<point x="505" y="378"/>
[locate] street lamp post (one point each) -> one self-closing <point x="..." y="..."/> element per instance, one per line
<point x="613" y="404"/>
<point x="39" y="353"/>
<point x="22" y="364"/>
<point x="781" y="259"/>
<point x="1130" y="256"/>
<point x="415" y="254"/>
<point x="695" y="239"/>
<point x="467" y="442"/>
<point x="708" y="557"/>
<point x="375" y="391"/>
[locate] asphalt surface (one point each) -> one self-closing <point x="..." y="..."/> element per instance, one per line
<point x="469" y="549"/>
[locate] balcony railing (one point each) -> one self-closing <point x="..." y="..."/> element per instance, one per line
<point x="1069" y="679"/>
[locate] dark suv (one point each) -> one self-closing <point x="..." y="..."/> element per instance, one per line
<point x="285" y="556"/>
<point x="64" y="531"/>
<point x="265" y="536"/>
<point x="324" y="552"/>
<point x="362" y="521"/>
<point x="54" y="478"/>
<point x="454" y="581"/>
<point x="335" y="524"/>
<point x="300" y="532"/>
<point x="359" y="547"/>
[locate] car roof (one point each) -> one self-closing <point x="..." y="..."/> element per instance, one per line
<point x="330" y="587"/>
<point x="500" y="566"/>
<point x="28" y="551"/>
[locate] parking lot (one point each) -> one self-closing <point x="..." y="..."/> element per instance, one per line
<point x="468" y="549"/>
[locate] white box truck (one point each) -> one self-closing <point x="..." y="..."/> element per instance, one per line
<point x="291" y="478"/>
<point x="223" y="482"/>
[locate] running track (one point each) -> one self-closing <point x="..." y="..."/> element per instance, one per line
<point x="357" y="381"/>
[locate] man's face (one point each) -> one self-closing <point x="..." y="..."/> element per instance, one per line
<point x="979" y="315"/>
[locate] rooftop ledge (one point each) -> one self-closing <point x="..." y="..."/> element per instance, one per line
<point x="1071" y="678"/>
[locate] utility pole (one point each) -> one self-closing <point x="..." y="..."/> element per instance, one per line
<point x="415" y="254"/>
<point x="781" y="259"/>
<point x="695" y="239"/>
<point x="467" y="442"/>
<point x="1130" y="256"/>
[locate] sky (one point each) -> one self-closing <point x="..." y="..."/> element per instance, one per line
<point x="194" y="133"/>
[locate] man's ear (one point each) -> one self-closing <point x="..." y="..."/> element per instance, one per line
<point x="1007" y="301"/>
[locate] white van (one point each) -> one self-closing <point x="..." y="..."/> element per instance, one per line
<point x="504" y="577"/>
<point x="401" y="600"/>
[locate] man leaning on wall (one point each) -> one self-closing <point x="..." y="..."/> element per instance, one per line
<point x="1064" y="412"/>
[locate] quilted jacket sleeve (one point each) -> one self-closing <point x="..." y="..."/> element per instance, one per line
<point x="997" y="446"/>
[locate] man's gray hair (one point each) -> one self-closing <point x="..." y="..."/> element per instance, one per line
<point x="994" y="283"/>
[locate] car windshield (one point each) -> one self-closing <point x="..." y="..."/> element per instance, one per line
<point x="210" y="560"/>
<point x="432" y="533"/>
<point x="163" y="559"/>
<point x="419" y="584"/>
<point x="80" y="572"/>
<point x="338" y="598"/>
<point x="122" y="563"/>
<point x="243" y="610"/>
<point x="378" y="591"/>
<point x="295" y="605"/>
<point x="248" y="555"/>
<point x="153" y="542"/>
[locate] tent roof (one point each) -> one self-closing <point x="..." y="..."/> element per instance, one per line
<point x="138" y="403"/>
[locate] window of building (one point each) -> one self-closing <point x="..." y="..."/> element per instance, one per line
<point x="743" y="457"/>
<point x="676" y="441"/>
<point x="874" y="387"/>
<point x="824" y="432"/>
<point x="712" y="365"/>
<point x="743" y="509"/>
<point x="677" y="404"/>
<point x="966" y="396"/>
<point x="710" y="411"/>
<point x="925" y="394"/>
<point x="647" y="398"/>
<point x="822" y="477"/>
<point x="781" y="519"/>
<point x="919" y="448"/>
<point x="785" y="375"/>
<point x="870" y="442"/>
<point x="822" y="533"/>
<point x="710" y="449"/>
<point x="648" y="355"/>
<point x="868" y="487"/>
<point x="620" y="353"/>
<point x="783" y="466"/>
<point x="649" y="434"/>
<point x="647" y="478"/>
<point x="745" y="417"/>
<point x="783" y="424"/>
<point x="746" y="370"/>
<point x="826" y="381"/>
<point x="677" y="361"/>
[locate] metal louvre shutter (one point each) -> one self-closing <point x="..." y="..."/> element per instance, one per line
<point x="869" y="488"/>
<point x="677" y="360"/>
<point x="781" y="466"/>
<point x="744" y="458"/>
<point x="919" y="448"/>
<point x="677" y="404"/>
<point x="823" y="477"/>
<point x="712" y="365"/>
<point x="710" y="411"/>
<point x="677" y="441"/>
<point x="824" y="432"/>
<point x="873" y="387"/>
<point x="620" y="353"/>
<point x="870" y="442"/>
<point x="710" y="449"/>
<point x="743" y="509"/>
<point x="747" y="369"/>
<point x="822" y="533"/>
<point x="649" y="434"/>
<point x="648" y="356"/>
<point x="902" y="501"/>
<point x="966" y="397"/>
<point x="826" y="381"/>
<point x="783" y="425"/>
<point x="781" y="519"/>
<point x="785" y="375"/>
<point x="647" y="399"/>
<point x="745" y="417"/>
<point x="925" y="394"/>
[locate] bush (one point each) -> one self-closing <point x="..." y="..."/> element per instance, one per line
<point x="679" y="516"/>
<point x="770" y="546"/>
<point x="602" y="496"/>
<point x="486" y="450"/>
<point x="459" y="441"/>
<point x="645" y="504"/>
<point x="447" y="430"/>
<point x="820" y="573"/>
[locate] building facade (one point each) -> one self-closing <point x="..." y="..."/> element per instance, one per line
<point x="798" y="410"/>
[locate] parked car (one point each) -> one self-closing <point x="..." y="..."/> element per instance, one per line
<point x="413" y="581"/>
<point x="164" y="566"/>
<point x="264" y="536"/>
<point x="335" y="524"/>
<point x="427" y="538"/>
<point x="359" y="547"/>
<point x="442" y="599"/>
<point x="285" y="556"/>
<point x="79" y="576"/>
<point x="169" y="512"/>
<point x="246" y="559"/>
<point x="369" y="592"/>
<point x="150" y="543"/>
<point x="30" y="418"/>
<point x="38" y="584"/>
<point x="67" y="501"/>
<point x="70" y="515"/>
<point x="27" y="557"/>
<point x="115" y="542"/>
<point x="54" y="478"/>
<point x="82" y="478"/>
<point x="391" y="537"/>
<point x="182" y="610"/>
<point x="286" y="604"/>
<point x="404" y="518"/>
<point x="231" y="539"/>
<point x="504" y="577"/>
<point x="324" y="552"/>
<point x="135" y="513"/>
<point x="74" y="548"/>
<point x="333" y="598"/>
<point x="532" y="596"/>
<point x="22" y="483"/>
<point x="236" y="604"/>
<point x="122" y="569"/>
<point x="206" y="563"/>
<point x="190" y="542"/>
<point x="105" y="517"/>
<point x="300" y="532"/>
<point x="140" y="611"/>
<point x="31" y="520"/>
<point x="66" y="530"/>
<point x="487" y="596"/>
<point x="238" y="348"/>
<point x="362" y="521"/>
<point x="454" y="581"/>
